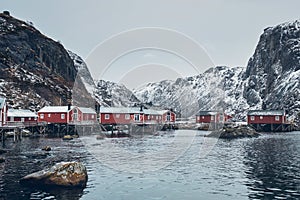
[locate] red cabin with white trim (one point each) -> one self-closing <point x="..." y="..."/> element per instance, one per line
<point x="21" y="116"/>
<point x="266" y="117"/>
<point x="3" y="111"/>
<point x="121" y="115"/>
<point x="88" y="115"/>
<point x="212" y="117"/>
<point x="114" y="115"/>
<point x="59" y="115"/>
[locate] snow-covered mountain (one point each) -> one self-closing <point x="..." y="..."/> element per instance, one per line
<point x="217" y="88"/>
<point x="272" y="75"/>
<point x="270" y="81"/>
<point x="34" y="69"/>
<point x="113" y="94"/>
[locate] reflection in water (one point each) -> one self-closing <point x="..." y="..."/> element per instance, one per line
<point x="273" y="167"/>
<point x="267" y="167"/>
<point x="26" y="157"/>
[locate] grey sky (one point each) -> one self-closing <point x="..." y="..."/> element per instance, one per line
<point x="228" y="29"/>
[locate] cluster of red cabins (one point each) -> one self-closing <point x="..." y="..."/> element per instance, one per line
<point x="75" y="115"/>
<point x="262" y="120"/>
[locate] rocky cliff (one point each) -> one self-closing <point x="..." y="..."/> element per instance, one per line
<point x="34" y="69"/>
<point x="272" y="75"/>
<point x="270" y="80"/>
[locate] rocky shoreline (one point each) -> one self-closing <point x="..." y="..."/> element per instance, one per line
<point x="234" y="132"/>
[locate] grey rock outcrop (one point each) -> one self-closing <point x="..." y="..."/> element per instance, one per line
<point x="67" y="174"/>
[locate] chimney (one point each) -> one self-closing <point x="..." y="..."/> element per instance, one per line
<point x="6" y="13"/>
<point x="97" y="107"/>
<point x="141" y="108"/>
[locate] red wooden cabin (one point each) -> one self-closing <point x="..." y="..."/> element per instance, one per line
<point x="3" y="111"/>
<point x="59" y="115"/>
<point x="21" y="116"/>
<point x="121" y="115"/>
<point x="88" y="115"/>
<point x="266" y="117"/>
<point x="114" y="115"/>
<point x="212" y="117"/>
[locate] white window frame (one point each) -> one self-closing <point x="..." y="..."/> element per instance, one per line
<point x="261" y="117"/>
<point x="117" y="115"/>
<point x="277" y="118"/>
<point x="127" y="116"/>
<point x="93" y="116"/>
<point x="42" y="116"/>
<point x="137" y="117"/>
<point x="252" y="118"/>
<point x="106" y="116"/>
<point x="212" y="117"/>
<point x="49" y="115"/>
<point x="168" y="118"/>
<point x="198" y="117"/>
<point x="203" y="117"/>
<point x="62" y="116"/>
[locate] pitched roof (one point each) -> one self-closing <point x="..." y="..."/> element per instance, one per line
<point x="120" y="110"/>
<point x="2" y="102"/>
<point x="20" y="113"/>
<point x="87" y="110"/>
<point x="208" y="112"/>
<point x="266" y="112"/>
<point x="55" y="109"/>
<point x="130" y="110"/>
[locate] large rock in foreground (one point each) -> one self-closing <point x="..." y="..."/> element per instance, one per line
<point x="234" y="132"/>
<point x="68" y="174"/>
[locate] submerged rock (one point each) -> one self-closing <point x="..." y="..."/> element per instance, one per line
<point x="234" y="132"/>
<point x="46" y="148"/>
<point x="2" y="160"/>
<point x="67" y="174"/>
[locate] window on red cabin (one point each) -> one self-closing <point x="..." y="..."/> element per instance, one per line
<point x="148" y="116"/>
<point x="29" y="118"/>
<point x="202" y="117"/>
<point x="49" y="115"/>
<point x="127" y="116"/>
<point x="261" y="117"/>
<point x="276" y="118"/>
<point x="42" y="116"/>
<point x="198" y="118"/>
<point x="93" y="116"/>
<point x="252" y="118"/>
<point x="117" y="115"/>
<point x="212" y="117"/>
<point x="136" y="117"/>
<point x="106" y="116"/>
<point x="62" y="116"/>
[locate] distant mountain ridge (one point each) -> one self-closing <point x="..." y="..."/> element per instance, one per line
<point x="36" y="71"/>
<point x="270" y="81"/>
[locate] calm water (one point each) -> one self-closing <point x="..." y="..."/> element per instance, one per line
<point x="267" y="167"/>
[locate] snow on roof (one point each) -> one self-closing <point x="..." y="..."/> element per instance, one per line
<point x="20" y="113"/>
<point x="132" y="110"/>
<point x="55" y="109"/>
<point x="120" y="110"/>
<point x="2" y="102"/>
<point x="266" y="112"/>
<point x="87" y="110"/>
<point x="212" y="112"/>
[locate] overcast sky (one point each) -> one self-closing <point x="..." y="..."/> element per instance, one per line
<point x="228" y="30"/>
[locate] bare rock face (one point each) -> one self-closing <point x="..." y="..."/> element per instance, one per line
<point x="66" y="174"/>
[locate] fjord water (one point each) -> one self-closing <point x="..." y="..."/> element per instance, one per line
<point x="267" y="167"/>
